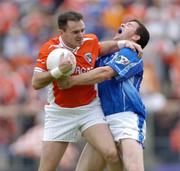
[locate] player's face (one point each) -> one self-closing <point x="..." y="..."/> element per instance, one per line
<point x="74" y="33"/>
<point x="126" y="31"/>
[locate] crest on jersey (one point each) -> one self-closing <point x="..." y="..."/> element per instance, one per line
<point x="122" y="60"/>
<point x="88" y="57"/>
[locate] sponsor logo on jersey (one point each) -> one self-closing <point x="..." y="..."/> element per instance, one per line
<point x="122" y="60"/>
<point x="88" y="57"/>
<point x="80" y="70"/>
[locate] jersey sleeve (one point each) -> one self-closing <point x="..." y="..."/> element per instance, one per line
<point x="98" y="45"/>
<point x="126" y="63"/>
<point x="42" y="57"/>
<point x="94" y="38"/>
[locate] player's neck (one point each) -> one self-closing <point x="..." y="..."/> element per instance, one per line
<point x="66" y="46"/>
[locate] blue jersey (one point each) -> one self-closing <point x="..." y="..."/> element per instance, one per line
<point x="121" y="93"/>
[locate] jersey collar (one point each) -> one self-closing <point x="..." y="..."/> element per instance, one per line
<point x="62" y="44"/>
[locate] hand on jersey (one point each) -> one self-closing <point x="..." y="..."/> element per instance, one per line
<point x="132" y="45"/>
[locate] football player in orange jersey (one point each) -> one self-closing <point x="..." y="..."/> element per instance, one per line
<point x="76" y="109"/>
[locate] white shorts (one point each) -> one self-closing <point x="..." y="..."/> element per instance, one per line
<point x="65" y="124"/>
<point x="127" y="125"/>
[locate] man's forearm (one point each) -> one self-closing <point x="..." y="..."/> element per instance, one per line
<point x="41" y="79"/>
<point x="108" y="47"/>
<point x="94" y="76"/>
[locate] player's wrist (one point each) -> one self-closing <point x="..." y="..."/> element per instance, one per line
<point x="56" y="73"/>
<point x="121" y="44"/>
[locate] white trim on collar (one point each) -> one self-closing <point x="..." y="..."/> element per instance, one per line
<point x="62" y="44"/>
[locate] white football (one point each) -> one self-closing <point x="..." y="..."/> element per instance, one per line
<point x="58" y="56"/>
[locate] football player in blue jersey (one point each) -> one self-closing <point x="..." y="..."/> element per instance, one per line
<point x="119" y="76"/>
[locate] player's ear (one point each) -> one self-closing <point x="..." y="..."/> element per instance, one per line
<point x="135" y="37"/>
<point x="61" y="31"/>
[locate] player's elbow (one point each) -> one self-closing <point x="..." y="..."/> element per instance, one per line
<point x="34" y="84"/>
<point x="107" y="72"/>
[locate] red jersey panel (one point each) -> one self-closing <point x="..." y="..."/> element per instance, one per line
<point x="86" y="57"/>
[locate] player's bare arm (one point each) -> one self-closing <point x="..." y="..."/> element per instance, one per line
<point x="108" y="47"/>
<point x="94" y="76"/>
<point x="42" y="79"/>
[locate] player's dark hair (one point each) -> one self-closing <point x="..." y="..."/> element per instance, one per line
<point x="68" y="16"/>
<point x="142" y="32"/>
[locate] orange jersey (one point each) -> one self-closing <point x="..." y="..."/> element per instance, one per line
<point x="86" y="57"/>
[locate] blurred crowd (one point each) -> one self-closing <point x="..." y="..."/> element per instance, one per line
<point x="26" y="24"/>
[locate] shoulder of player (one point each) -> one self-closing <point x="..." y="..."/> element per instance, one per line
<point x="90" y="36"/>
<point x="48" y="46"/>
<point x="129" y="53"/>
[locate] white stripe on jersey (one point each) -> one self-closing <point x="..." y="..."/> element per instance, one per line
<point x="37" y="69"/>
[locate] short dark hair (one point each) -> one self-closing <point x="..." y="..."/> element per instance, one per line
<point x="142" y="32"/>
<point x="68" y="16"/>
